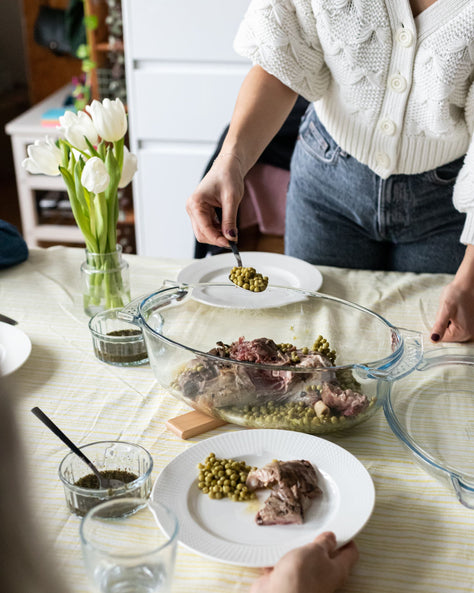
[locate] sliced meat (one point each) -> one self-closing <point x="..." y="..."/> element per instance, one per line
<point x="345" y="401"/>
<point x="261" y="350"/>
<point x="278" y="511"/>
<point x="231" y="386"/>
<point x="293" y="483"/>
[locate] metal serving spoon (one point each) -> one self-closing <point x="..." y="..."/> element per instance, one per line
<point x="253" y="281"/>
<point x="104" y="483"/>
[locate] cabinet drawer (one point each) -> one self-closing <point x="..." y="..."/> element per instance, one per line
<point x="172" y="30"/>
<point x="194" y="105"/>
<point x="164" y="181"/>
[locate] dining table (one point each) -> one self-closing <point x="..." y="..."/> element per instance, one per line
<point x="419" y="537"/>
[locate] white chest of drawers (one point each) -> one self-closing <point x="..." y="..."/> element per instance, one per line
<point x="183" y="77"/>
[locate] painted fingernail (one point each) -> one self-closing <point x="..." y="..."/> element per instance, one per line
<point x="435" y="337"/>
<point x="232" y="233"/>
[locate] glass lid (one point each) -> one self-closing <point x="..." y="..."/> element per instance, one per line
<point x="432" y="412"/>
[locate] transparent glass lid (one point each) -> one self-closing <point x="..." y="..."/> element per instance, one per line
<point x="432" y="410"/>
<point x="197" y="317"/>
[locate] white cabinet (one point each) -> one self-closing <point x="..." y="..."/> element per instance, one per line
<point x="183" y="77"/>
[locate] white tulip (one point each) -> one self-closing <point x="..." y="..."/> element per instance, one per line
<point x="95" y="177"/>
<point x="43" y="157"/>
<point x="110" y="119"/>
<point x="77" y="126"/>
<point x="129" y="167"/>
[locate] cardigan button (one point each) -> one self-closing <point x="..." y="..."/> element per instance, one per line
<point x="387" y="126"/>
<point x="404" y="37"/>
<point x="397" y="83"/>
<point x="382" y="160"/>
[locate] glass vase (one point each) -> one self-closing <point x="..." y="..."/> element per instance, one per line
<point x="105" y="281"/>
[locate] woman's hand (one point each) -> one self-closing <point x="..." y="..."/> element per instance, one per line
<point x="222" y="187"/>
<point x="317" y="567"/>
<point x="455" y="318"/>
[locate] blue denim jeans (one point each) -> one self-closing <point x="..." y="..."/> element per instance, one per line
<point x="340" y="213"/>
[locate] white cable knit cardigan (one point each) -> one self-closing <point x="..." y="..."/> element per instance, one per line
<point x="395" y="92"/>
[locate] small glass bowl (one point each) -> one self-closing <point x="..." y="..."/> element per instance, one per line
<point x="111" y="456"/>
<point x="116" y="341"/>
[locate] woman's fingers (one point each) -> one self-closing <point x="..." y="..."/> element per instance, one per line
<point x="455" y="318"/>
<point x="441" y="323"/>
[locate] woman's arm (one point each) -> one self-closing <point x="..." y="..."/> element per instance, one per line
<point x="263" y="104"/>
<point x="455" y="318"/>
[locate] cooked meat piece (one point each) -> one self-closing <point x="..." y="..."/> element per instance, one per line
<point x="314" y="361"/>
<point x="318" y="361"/>
<point x="285" y="474"/>
<point x="194" y="378"/>
<point x="261" y="350"/>
<point x="294" y="485"/>
<point x="344" y="401"/>
<point x="221" y="350"/>
<point x="231" y="386"/>
<point x="278" y="511"/>
<point x="275" y="383"/>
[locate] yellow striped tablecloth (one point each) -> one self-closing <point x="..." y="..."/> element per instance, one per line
<point x="420" y="539"/>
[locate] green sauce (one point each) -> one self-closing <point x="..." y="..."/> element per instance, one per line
<point x="91" y="481"/>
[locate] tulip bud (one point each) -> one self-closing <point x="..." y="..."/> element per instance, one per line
<point x="109" y="118"/>
<point x="43" y="157"/>
<point x="95" y="177"/>
<point x="76" y="127"/>
<point x="129" y="167"/>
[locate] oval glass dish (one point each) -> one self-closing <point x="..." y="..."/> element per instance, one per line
<point x="431" y="411"/>
<point x="285" y="358"/>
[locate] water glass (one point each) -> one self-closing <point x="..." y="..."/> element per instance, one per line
<point x="129" y="546"/>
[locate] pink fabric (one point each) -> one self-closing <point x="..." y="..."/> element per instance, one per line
<point x="264" y="199"/>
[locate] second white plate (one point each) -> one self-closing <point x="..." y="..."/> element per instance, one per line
<point x="282" y="270"/>
<point x="15" y="347"/>
<point x="226" y="531"/>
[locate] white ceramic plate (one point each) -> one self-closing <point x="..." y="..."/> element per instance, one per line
<point x="226" y="531"/>
<point x="282" y="270"/>
<point x="15" y="347"/>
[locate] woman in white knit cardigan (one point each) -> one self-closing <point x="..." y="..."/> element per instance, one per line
<point x="382" y="176"/>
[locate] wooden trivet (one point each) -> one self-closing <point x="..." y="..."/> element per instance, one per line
<point x="193" y="423"/>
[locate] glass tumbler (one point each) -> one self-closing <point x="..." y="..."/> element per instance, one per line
<point x="129" y="546"/>
<point x="116" y="341"/>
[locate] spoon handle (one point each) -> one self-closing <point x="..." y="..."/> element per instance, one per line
<point x="9" y="320"/>
<point x="59" y="433"/>
<point x="235" y="251"/>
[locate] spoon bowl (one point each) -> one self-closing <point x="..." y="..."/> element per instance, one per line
<point x="246" y="278"/>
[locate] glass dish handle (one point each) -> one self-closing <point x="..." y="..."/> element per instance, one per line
<point x="410" y="357"/>
<point x="464" y="492"/>
<point x="130" y="312"/>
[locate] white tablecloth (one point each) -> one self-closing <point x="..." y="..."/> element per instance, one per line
<point x="419" y="539"/>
